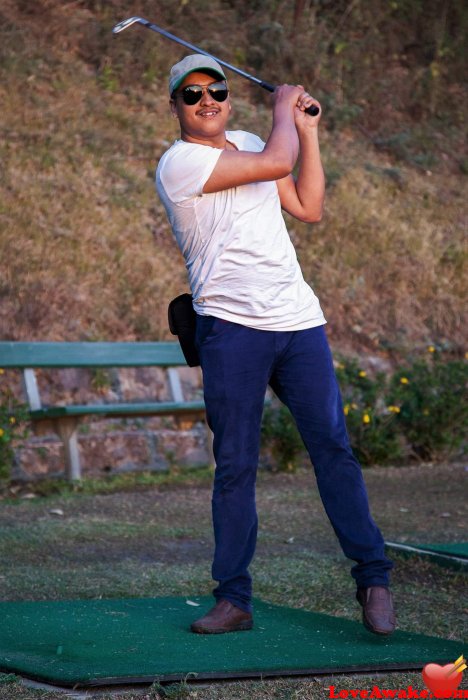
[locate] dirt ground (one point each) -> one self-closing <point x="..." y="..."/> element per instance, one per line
<point x="173" y="523"/>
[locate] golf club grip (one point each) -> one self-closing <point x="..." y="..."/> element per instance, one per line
<point x="313" y="110"/>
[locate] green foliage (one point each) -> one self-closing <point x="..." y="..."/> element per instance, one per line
<point x="113" y="483"/>
<point x="340" y="114"/>
<point x="418" y="412"/>
<point x="409" y="146"/>
<point x="433" y="405"/>
<point x="108" y="79"/>
<point x="280" y="438"/>
<point x="13" y="416"/>
<point x="8" y="678"/>
<point x="370" y="422"/>
<point x="173" y="691"/>
<point x="356" y="386"/>
<point x="101" y="379"/>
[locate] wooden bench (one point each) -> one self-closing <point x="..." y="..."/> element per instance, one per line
<point x="64" y="420"/>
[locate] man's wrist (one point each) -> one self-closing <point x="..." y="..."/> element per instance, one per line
<point x="308" y="131"/>
<point x="282" y="111"/>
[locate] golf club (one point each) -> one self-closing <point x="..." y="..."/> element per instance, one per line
<point x="313" y="110"/>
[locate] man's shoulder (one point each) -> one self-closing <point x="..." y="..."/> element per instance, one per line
<point x="180" y="150"/>
<point x="184" y="168"/>
<point x="245" y="140"/>
<point x="176" y="148"/>
<point x="175" y="155"/>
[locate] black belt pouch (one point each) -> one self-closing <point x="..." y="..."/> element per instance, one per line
<point x="183" y="323"/>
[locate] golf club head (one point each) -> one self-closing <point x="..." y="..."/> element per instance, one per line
<point x="127" y="23"/>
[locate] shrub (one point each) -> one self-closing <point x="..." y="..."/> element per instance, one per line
<point x="280" y="438"/>
<point x="433" y="413"/>
<point x="419" y="412"/>
<point x="13" y="416"/>
<point x="370" y="421"/>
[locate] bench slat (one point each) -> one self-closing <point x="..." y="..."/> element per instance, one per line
<point x="42" y="354"/>
<point x="124" y="409"/>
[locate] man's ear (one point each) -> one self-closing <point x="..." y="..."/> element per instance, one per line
<point x="172" y="105"/>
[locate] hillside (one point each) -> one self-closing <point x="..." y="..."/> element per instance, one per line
<point x="86" y="250"/>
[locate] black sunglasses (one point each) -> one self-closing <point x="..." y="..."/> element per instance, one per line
<point x="191" y="94"/>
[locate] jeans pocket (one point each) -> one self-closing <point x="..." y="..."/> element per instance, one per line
<point x="204" y="327"/>
<point x="210" y="327"/>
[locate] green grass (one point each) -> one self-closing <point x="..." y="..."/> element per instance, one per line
<point x="109" y="484"/>
<point x="157" y="540"/>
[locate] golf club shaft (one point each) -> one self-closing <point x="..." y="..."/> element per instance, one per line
<point x="313" y="110"/>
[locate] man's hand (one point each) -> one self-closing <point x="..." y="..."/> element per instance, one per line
<point x="287" y="95"/>
<point x="303" y="120"/>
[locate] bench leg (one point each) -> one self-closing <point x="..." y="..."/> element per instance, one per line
<point x="66" y="430"/>
<point x="209" y="441"/>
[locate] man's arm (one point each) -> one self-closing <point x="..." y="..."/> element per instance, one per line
<point x="277" y="159"/>
<point x="304" y="197"/>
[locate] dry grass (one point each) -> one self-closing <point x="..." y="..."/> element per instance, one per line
<point x="389" y="257"/>
<point x="80" y="219"/>
<point x="85" y="246"/>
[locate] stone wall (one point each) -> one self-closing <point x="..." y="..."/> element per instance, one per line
<point x="111" y="446"/>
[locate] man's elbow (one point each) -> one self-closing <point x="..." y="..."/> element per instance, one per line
<point x="276" y="167"/>
<point x="281" y="169"/>
<point x="312" y="217"/>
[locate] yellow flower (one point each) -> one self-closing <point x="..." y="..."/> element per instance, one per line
<point x="426" y="411"/>
<point x="2" y="432"/>
<point x="362" y="373"/>
<point x="340" y="365"/>
<point x="394" y="409"/>
<point x="431" y="348"/>
<point x="12" y="420"/>
<point x="366" y="418"/>
<point x="354" y="405"/>
<point x="2" y="371"/>
<point x="404" y="380"/>
<point x="346" y="409"/>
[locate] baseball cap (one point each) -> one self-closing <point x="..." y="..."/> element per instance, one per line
<point x="190" y="64"/>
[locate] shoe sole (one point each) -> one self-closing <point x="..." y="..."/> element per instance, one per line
<point x="369" y="627"/>
<point x="242" y="627"/>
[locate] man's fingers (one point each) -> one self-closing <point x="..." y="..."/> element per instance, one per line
<point x="305" y="101"/>
<point x="297" y="95"/>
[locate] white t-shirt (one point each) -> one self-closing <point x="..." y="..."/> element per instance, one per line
<point x="241" y="264"/>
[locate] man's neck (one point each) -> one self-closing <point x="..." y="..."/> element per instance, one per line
<point x="218" y="141"/>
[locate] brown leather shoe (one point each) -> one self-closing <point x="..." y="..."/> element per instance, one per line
<point x="377" y="609"/>
<point x="224" y="617"/>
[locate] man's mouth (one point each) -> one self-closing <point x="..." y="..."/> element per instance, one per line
<point x="208" y="112"/>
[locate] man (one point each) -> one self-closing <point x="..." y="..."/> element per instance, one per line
<point x="259" y="323"/>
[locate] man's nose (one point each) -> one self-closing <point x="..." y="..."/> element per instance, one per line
<point x="206" y="98"/>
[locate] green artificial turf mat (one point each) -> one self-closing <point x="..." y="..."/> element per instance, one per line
<point x="453" y="555"/>
<point x="452" y="549"/>
<point x="101" y="642"/>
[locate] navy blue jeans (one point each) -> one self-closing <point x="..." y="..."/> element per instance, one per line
<point x="238" y="364"/>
